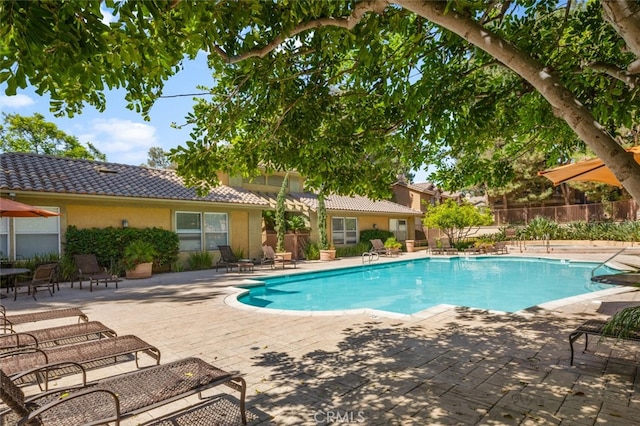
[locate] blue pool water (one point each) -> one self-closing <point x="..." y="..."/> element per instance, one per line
<point x="506" y="284"/>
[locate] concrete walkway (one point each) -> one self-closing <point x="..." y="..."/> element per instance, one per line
<point x="450" y="366"/>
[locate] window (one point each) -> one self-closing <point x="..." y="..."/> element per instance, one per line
<point x="215" y="230"/>
<point x="4" y="237"/>
<point x="399" y="228"/>
<point x="37" y="235"/>
<point x="275" y="180"/>
<point x="189" y="229"/>
<point x="344" y="230"/>
<point x="190" y="226"/>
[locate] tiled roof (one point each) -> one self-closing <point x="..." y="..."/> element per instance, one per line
<point x="61" y="175"/>
<point x="355" y="203"/>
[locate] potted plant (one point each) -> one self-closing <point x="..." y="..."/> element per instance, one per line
<point x="327" y="252"/>
<point x="138" y="259"/>
<point x="280" y="220"/>
<point x="392" y="245"/>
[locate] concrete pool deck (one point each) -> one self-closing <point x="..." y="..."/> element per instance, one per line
<point x="453" y="366"/>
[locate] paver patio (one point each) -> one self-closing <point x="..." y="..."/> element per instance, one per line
<point x="455" y="366"/>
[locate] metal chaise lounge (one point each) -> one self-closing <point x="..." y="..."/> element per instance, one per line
<point x="88" y="354"/>
<point x="227" y="259"/>
<point x="88" y="268"/>
<point x="270" y="257"/>
<point x="8" y="321"/>
<point x="115" y="398"/>
<point x="56" y="336"/>
<point x="596" y="328"/>
<point x="377" y="246"/>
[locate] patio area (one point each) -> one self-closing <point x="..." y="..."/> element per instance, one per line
<point x="451" y="366"/>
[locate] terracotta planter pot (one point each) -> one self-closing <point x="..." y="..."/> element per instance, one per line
<point x="410" y="245"/>
<point x="327" y="255"/>
<point x="286" y="255"/>
<point x="142" y="270"/>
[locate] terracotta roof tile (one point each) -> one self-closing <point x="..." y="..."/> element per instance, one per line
<point x="355" y="203"/>
<point x="50" y="174"/>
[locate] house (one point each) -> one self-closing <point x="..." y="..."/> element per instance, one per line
<point x="98" y="194"/>
<point x="418" y="196"/>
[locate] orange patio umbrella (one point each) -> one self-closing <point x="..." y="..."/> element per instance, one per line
<point x="10" y="208"/>
<point x="593" y="170"/>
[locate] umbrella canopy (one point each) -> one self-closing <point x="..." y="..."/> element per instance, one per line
<point x="593" y="170"/>
<point x="10" y="208"/>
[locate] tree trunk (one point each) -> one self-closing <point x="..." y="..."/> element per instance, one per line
<point x="563" y="102"/>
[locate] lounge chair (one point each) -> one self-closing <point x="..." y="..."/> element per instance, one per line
<point x="42" y="278"/>
<point x="116" y="398"/>
<point x="230" y="261"/>
<point x="500" y="247"/>
<point x="8" y="321"/>
<point x="596" y="328"/>
<point x="88" y="354"/>
<point x="434" y="247"/>
<point x="269" y="257"/>
<point x="446" y="246"/>
<point x="56" y="336"/>
<point x="88" y="268"/>
<point x="377" y="246"/>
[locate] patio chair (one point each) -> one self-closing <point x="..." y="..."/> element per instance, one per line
<point x="434" y="247"/>
<point x="42" y="278"/>
<point x="596" y="328"/>
<point x="88" y="268"/>
<point x="377" y="246"/>
<point x="500" y="247"/>
<point x="446" y="246"/>
<point x="269" y="257"/>
<point x="116" y="398"/>
<point x="55" y="336"/>
<point x="8" y="321"/>
<point x="94" y="353"/>
<point x="227" y="259"/>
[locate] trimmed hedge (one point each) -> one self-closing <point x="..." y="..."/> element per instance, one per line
<point x="108" y="244"/>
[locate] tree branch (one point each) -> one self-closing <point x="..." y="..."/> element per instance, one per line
<point x="615" y="72"/>
<point x="348" y="22"/>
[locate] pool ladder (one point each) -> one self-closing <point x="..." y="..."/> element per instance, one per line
<point x="370" y="256"/>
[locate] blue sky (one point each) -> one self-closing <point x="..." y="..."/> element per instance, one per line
<point x="118" y="132"/>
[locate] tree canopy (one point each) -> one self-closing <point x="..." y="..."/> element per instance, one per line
<point x="34" y="134"/>
<point x="351" y="93"/>
<point x="456" y="220"/>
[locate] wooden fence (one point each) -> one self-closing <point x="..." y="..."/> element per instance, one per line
<point x="597" y="212"/>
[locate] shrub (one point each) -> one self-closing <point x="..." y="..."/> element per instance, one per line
<point x="374" y="234"/>
<point x="311" y="251"/>
<point x="352" y="251"/>
<point x="200" y="260"/>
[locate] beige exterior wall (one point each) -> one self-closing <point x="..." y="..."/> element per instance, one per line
<point x="245" y="222"/>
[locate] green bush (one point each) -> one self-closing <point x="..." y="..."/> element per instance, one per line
<point x="311" y="250"/>
<point x="108" y="244"/>
<point x="374" y="234"/>
<point x="200" y="260"/>
<point x="352" y="251"/>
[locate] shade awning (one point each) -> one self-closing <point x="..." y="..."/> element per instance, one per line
<point x="593" y="170"/>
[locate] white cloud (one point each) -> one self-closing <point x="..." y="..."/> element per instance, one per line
<point x="122" y="141"/>
<point x="17" y="101"/>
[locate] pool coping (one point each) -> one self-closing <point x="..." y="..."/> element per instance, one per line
<point x="243" y="287"/>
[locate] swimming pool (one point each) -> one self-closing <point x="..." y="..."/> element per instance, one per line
<point x="507" y="284"/>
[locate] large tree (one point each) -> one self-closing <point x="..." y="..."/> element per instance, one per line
<point x="34" y="134"/>
<point x="348" y="92"/>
